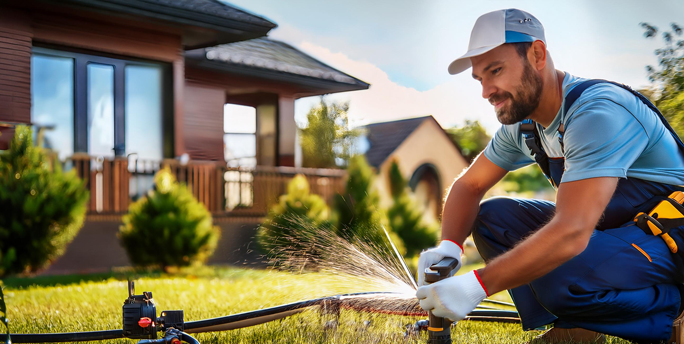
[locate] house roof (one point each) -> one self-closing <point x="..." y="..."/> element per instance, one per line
<point x="385" y="137"/>
<point x="274" y="60"/>
<point x="229" y="23"/>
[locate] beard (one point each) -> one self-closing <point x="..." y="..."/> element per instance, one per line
<point x="526" y="101"/>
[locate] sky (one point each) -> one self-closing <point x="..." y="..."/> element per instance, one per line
<point x="403" y="47"/>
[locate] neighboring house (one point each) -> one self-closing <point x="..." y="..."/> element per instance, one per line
<point x="120" y="88"/>
<point x="427" y="157"/>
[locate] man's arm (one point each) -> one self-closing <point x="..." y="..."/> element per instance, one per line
<point x="579" y="207"/>
<point x="463" y="201"/>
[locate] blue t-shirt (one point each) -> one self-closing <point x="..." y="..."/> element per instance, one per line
<point x="608" y="132"/>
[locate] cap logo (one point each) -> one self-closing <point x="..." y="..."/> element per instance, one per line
<point x="524" y="20"/>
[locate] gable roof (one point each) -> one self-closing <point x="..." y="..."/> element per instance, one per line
<point x="229" y="22"/>
<point x="385" y="137"/>
<point x="274" y="60"/>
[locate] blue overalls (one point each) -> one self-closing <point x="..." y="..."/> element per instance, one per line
<point x="625" y="283"/>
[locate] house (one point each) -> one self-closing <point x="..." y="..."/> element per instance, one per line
<point x="429" y="160"/>
<point x="120" y="88"/>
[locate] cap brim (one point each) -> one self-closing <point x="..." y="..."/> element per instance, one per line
<point x="462" y="63"/>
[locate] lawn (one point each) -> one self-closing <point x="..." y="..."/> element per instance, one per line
<point x="93" y="302"/>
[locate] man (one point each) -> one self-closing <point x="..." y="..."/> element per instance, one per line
<point x="582" y="263"/>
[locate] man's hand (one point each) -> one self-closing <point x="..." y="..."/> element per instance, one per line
<point x="452" y="298"/>
<point x="446" y="248"/>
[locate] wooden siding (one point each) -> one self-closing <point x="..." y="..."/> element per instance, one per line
<point x="15" y="67"/>
<point x="203" y="122"/>
<point x="107" y="34"/>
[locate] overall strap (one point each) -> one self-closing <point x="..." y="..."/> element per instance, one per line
<point x="528" y="128"/>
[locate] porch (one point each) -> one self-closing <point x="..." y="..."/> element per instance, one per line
<point x="115" y="183"/>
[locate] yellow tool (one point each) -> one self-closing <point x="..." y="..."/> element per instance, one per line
<point x="668" y="214"/>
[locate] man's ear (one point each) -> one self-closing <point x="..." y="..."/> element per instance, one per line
<point x="537" y="55"/>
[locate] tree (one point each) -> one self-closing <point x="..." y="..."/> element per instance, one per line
<point x="290" y="232"/>
<point x="527" y="179"/>
<point x="667" y="90"/>
<point x="472" y="138"/>
<point x="41" y="207"/>
<point x="327" y="140"/>
<point x="168" y="227"/>
<point x="358" y="208"/>
<point x="406" y="217"/>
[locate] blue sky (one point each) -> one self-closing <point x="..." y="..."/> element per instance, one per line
<point x="403" y="47"/>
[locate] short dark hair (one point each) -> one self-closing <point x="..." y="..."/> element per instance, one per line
<point x="522" y="48"/>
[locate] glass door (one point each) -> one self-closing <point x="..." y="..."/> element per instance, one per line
<point x="100" y="110"/>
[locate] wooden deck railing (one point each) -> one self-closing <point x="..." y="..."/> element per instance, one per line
<point x="115" y="183"/>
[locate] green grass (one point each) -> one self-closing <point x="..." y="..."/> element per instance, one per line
<point x="93" y="302"/>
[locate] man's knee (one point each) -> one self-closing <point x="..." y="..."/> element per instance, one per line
<point x="490" y="226"/>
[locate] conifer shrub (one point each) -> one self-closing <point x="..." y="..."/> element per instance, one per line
<point x="289" y="234"/>
<point x="168" y="227"/>
<point x="42" y="208"/>
<point x="406" y="216"/>
<point x="359" y="214"/>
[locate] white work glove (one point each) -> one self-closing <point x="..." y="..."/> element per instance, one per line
<point x="452" y="298"/>
<point x="432" y="256"/>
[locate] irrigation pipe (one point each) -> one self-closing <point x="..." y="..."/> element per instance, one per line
<point x="246" y="319"/>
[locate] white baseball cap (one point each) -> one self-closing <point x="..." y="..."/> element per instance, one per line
<point x="496" y="28"/>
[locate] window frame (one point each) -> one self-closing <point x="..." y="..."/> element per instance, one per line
<point x="81" y="61"/>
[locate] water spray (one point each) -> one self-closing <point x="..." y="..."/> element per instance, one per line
<point x="403" y="263"/>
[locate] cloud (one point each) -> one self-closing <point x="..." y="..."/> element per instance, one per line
<point x="450" y="103"/>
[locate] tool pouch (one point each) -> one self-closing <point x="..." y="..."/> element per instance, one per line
<point x="668" y="214"/>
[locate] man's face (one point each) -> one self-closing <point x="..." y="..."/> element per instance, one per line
<point x="509" y="83"/>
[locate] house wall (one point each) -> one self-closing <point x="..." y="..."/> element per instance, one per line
<point x="428" y="144"/>
<point x="67" y="28"/>
<point x="15" y="70"/>
<point x="255" y="92"/>
<point x="203" y="121"/>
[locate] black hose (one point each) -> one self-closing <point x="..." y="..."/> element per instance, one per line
<point x="251" y="318"/>
<point x="188" y="338"/>
<point x="63" y="337"/>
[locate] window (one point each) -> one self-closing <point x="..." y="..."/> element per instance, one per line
<point x="239" y="140"/>
<point x="100" y="105"/>
<point x="105" y="107"/>
<point x="52" y="113"/>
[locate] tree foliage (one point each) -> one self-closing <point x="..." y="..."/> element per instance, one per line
<point x="668" y="77"/>
<point x="472" y="138"/>
<point x="406" y="216"/>
<point x="168" y="227"/>
<point x="527" y="179"/>
<point x="327" y="140"/>
<point x="358" y="208"/>
<point x="289" y="233"/>
<point x="41" y="207"/>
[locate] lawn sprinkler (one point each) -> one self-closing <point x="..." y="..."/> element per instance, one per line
<point x="439" y="329"/>
<point x="140" y="320"/>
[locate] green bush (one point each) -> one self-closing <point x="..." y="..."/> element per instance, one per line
<point x="358" y="208"/>
<point x="41" y="207"/>
<point x="288" y="235"/>
<point x="168" y="227"/>
<point x="406" y="217"/>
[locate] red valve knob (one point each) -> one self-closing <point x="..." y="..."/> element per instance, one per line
<point x="144" y="322"/>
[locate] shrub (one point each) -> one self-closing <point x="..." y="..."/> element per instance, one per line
<point x="406" y="217"/>
<point x="168" y="227"/>
<point x="358" y="208"/>
<point x="289" y="233"/>
<point x="41" y="207"/>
